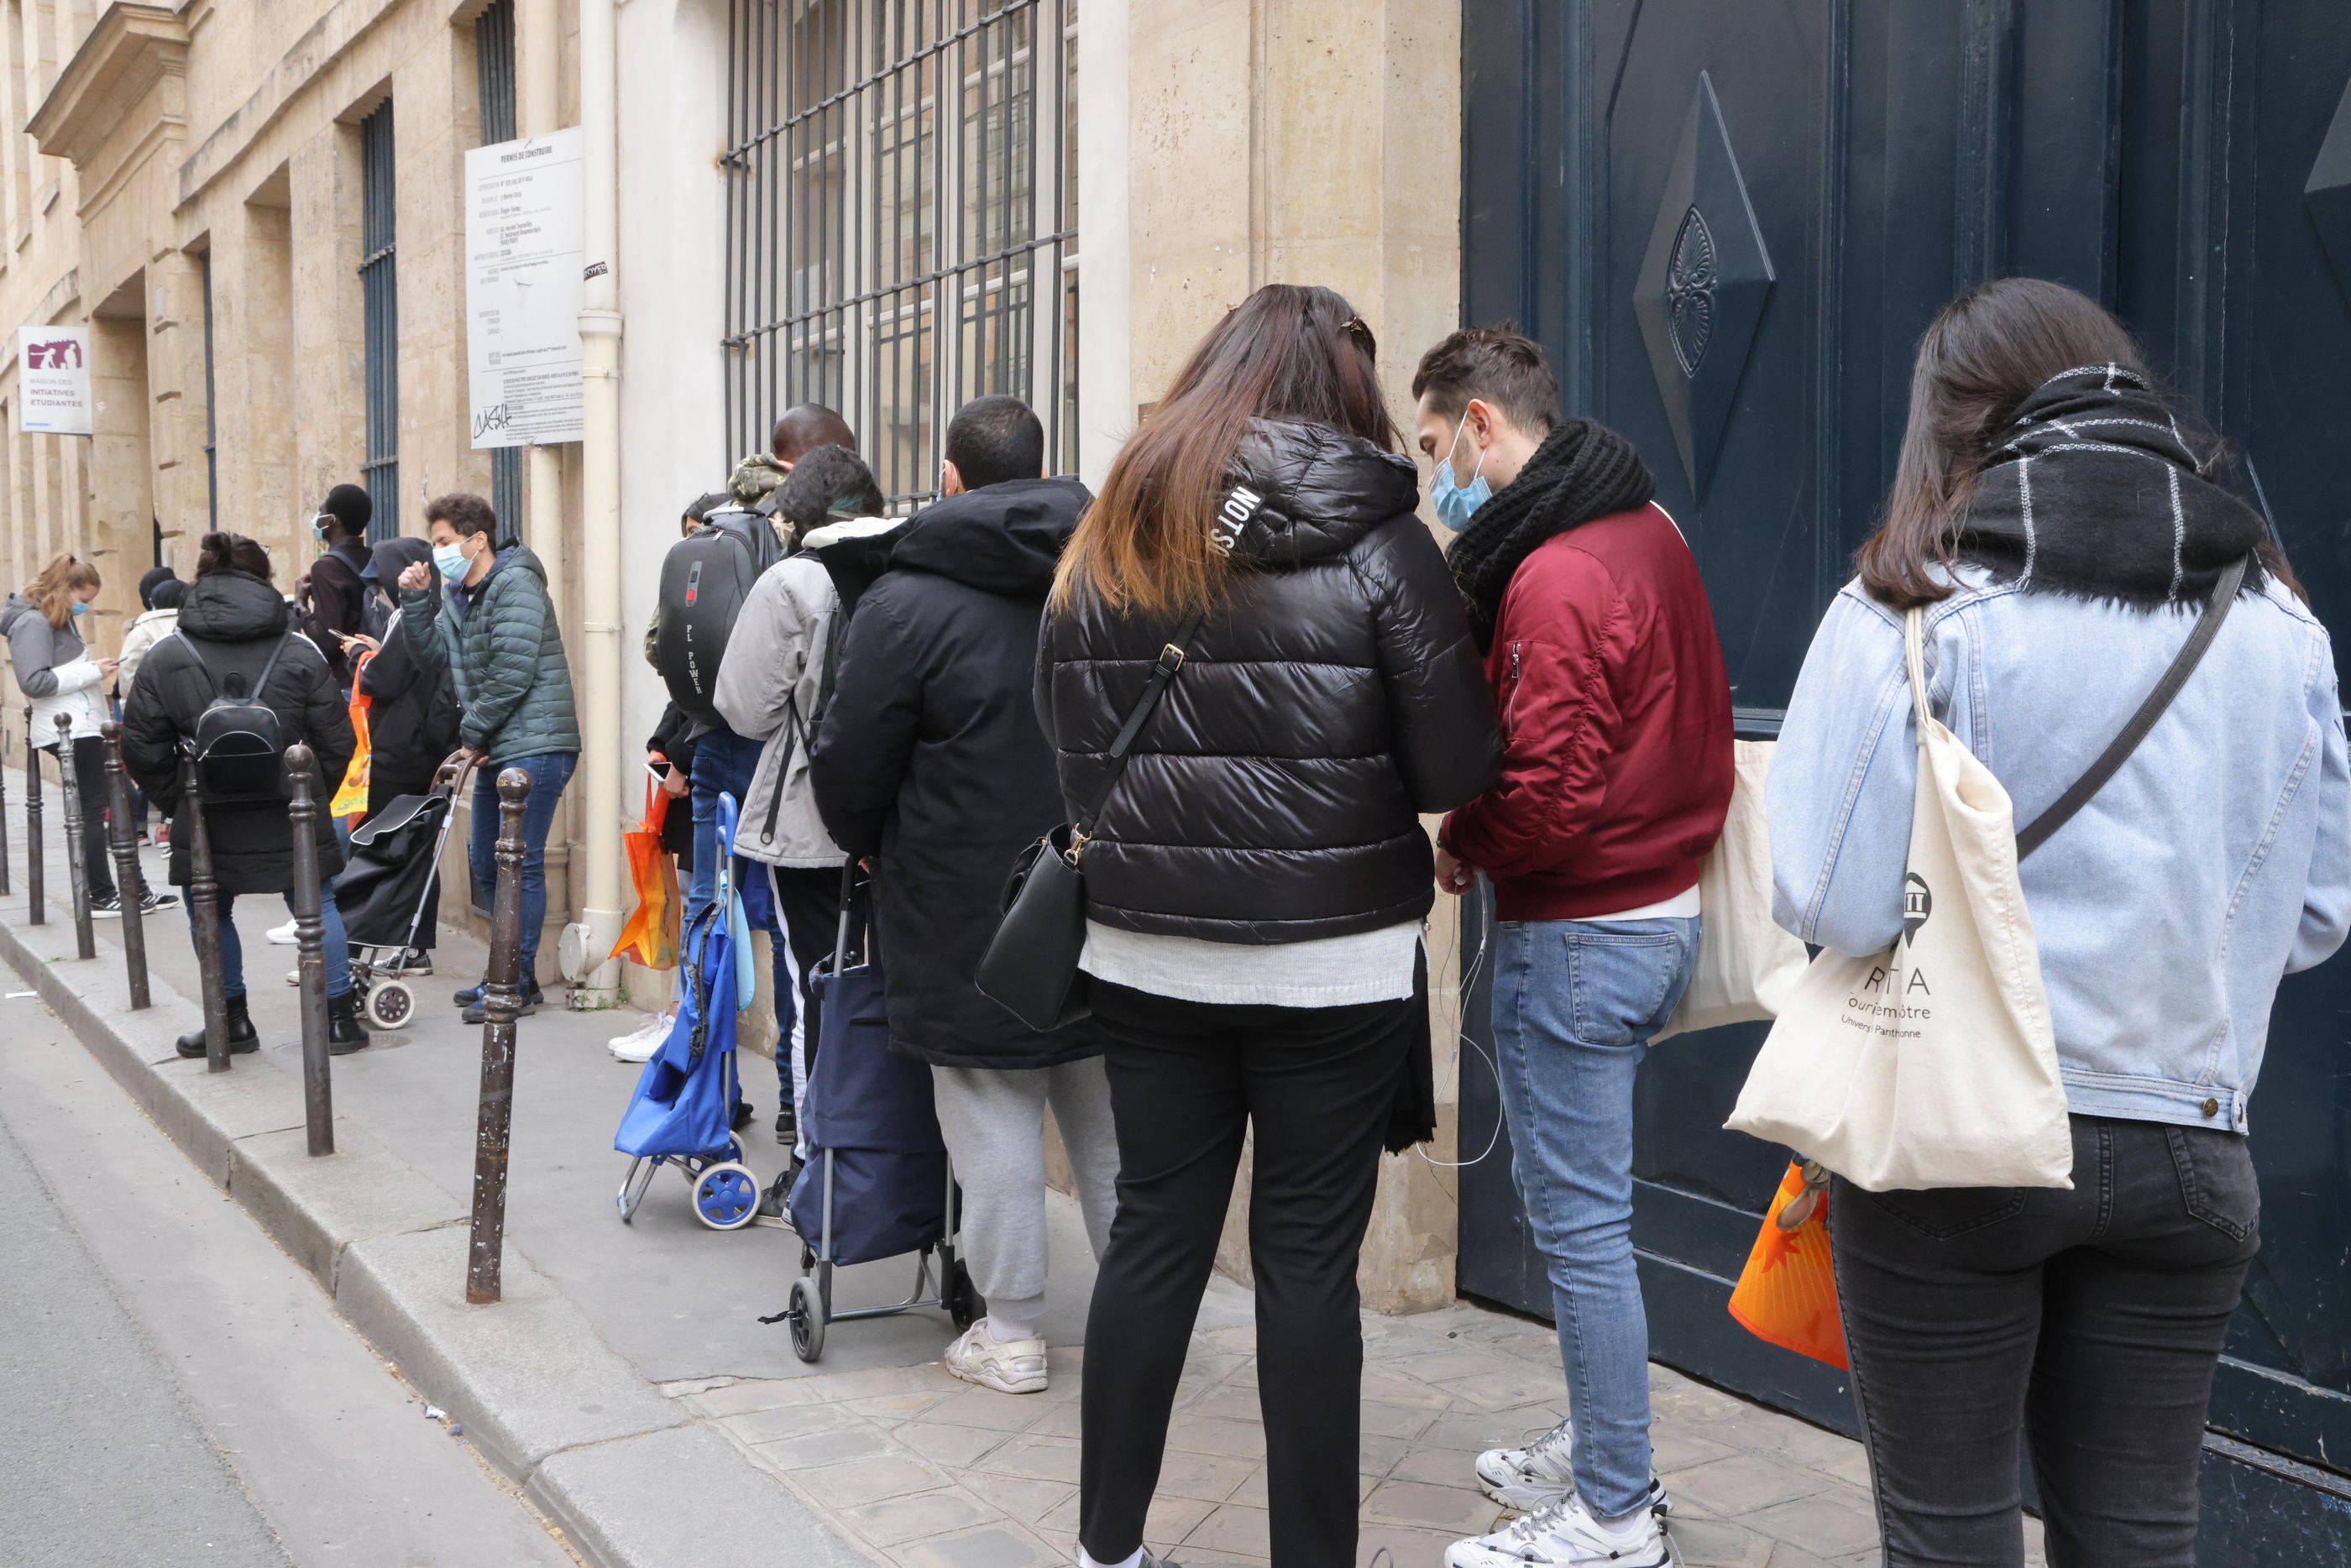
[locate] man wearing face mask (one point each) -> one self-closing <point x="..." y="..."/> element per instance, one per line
<point x="337" y="596"/>
<point x="495" y="631"/>
<point x="1615" y="708"/>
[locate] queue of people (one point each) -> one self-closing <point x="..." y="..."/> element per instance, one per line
<point x="1249" y="672"/>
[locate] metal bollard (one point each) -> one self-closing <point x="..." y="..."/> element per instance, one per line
<point x="34" y="881"/>
<point x="122" y="839"/>
<point x="84" y="937"/>
<point x="310" y="943"/>
<point x="203" y="898"/>
<point x="4" y="812"/>
<point x="501" y="1002"/>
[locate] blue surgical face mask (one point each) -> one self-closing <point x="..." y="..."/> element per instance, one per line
<point x="451" y="559"/>
<point x="1455" y="502"/>
<point x="318" y="528"/>
<point x="79" y="608"/>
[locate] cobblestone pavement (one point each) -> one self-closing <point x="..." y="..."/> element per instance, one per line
<point x="928" y="1472"/>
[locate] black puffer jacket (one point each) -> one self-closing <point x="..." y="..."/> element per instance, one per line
<point x="239" y="619"/>
<point x="1335" y="695"/>
<point x="929" y="756"/>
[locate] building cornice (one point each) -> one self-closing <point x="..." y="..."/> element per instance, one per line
<point x="131" y="48"/>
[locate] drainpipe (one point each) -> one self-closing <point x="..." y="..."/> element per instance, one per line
<point x="603" y="756"/>
<point x="539" y="24"/>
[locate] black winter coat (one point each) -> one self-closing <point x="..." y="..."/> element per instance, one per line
<point x="411" y="716"/>
<point x="240" y="620"/>
<point x="929" y="756"/>
<point x="1333" y="697"/>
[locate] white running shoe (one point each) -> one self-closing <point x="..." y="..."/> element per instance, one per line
<point x="639" y="1044"/>
<point x="1566" y="1536"/>
<point x="283" y="936"/>
<point x="1012" y="1366"/>
<point x="1542" y="1473"/>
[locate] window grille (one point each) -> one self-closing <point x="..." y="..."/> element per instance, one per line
<point x="380" y="305"/>
<point x="493" y="74"/>
<point x="211" y="417"/>
<point x="902" y="220"/>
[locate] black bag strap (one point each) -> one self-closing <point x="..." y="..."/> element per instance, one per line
<point x="260" y="681"/>
<point x="1163" y="673"/>
<point x="2191" y="653"/>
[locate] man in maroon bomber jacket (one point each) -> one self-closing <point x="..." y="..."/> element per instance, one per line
<point x="1615" y="709"/>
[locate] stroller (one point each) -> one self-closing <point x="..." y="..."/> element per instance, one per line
<point x="878" y="1182"/>
<point x="683" y="1111"/>
<point x="391" y="879"/>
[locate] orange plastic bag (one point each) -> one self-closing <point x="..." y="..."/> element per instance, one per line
<point x="1787" y="1293"/>
<point x="351" y="795"/>
<point x="651" y="936"/>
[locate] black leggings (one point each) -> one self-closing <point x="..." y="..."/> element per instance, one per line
<point x="1186" y="1080"/>
<point x="2087" y="1322"/>
<point x="90" y="782"/>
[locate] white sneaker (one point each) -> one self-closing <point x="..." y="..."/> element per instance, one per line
<point x="639" y="1044"/>
<point x="1543" y="1473"/>
<point x="1565" y="1536"/>
<point x="1012" y="1366"/>
<point x="283" y="935"/>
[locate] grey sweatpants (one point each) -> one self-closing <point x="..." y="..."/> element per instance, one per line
<point x="994" y="1123"/>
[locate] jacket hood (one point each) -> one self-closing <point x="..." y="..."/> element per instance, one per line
<point x="16" y="608"/>
<point x="513" y="558"/>
<point x="1003" y="539"/>
<point x="394" y="555"/>
<point x="232" y="607"/>
<point x="1302" y="493"/>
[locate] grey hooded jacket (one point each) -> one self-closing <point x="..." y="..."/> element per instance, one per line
<point x="769" y="684"/>
<point x="55" y="670"/>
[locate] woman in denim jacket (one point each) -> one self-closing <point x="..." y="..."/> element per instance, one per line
<point x="2061" y="536"/>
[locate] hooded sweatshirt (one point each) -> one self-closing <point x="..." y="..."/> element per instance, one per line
<point x="53" y="668"/>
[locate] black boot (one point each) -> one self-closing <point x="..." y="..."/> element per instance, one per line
<point x="241" y="1035"/>
<point x="345" y="1033"/>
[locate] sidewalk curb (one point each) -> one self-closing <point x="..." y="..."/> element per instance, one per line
<point x="635" y="1479"/>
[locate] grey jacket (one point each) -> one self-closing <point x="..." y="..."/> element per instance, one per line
<point x="53" y="668"/>
<point x="769" y="684"/>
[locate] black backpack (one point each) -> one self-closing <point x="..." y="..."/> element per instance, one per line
<point x="705" y="580"/>
<point x="238" y="745"/>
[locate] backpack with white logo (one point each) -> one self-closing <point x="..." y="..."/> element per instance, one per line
<point x="238" y="745"/>
<point x="705" y="580"/>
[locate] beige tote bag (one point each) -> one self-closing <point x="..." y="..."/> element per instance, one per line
<point x="1747" y="965"/>
<point x="1931" y="1064"/>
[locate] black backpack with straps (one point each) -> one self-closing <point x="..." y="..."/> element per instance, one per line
<point x="238" y="744"/>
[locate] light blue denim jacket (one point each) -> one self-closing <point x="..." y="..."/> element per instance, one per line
<point x="2215" y="861"/>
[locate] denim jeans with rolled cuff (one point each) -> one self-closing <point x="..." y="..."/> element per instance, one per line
<point x="1575" y="1005"/>
<point x="2088" y="1323"/>
<point x="550" y="772"/>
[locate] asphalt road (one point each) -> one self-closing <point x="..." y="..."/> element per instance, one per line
<point x="177" y="1391"/>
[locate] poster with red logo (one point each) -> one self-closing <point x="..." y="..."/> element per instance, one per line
<point x="53" y="380"/>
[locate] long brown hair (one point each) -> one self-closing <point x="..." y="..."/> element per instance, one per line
<point x="52" y="593"/>
<point x="231" y="552"/>
<point x="1289" y="351"/>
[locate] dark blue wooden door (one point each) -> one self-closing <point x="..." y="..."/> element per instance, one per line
<point x="1728" y="220"/>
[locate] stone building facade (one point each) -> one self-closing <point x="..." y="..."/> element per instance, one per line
<point x="886" y="204"/>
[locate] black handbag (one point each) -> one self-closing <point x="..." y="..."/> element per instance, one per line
<point x="1031" y="967"/>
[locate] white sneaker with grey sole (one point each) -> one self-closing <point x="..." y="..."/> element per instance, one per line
<point x="283" y="936"/>
<point x="639" y="1045"/>
<point x="1565" y="1536"/>
<point x="1542" y="1473"/>
<point x="1009" y="1366"/>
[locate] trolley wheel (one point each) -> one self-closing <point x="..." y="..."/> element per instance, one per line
<point x="962" y="1301"/>
<point x="390" y="1005"/>
<point x="633" y="1188"/>
<point x="726" y="1196"/>
<point x="807" y="1320"/>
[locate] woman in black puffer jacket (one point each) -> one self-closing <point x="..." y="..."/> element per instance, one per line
<point x="1257" y="877"/>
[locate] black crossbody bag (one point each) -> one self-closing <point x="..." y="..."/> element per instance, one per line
<point x="1031" y="967"/>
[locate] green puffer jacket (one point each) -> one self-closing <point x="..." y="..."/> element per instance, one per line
<point x="506" y="655"/>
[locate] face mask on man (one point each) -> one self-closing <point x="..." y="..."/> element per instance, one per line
<point x="1455" y="502"/>
<point x="452" y="560"/>
<point x="319" y="527"/>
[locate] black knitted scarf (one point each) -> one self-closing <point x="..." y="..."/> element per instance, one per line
<point x="1581" y="472"/>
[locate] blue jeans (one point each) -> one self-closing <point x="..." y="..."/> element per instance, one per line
<point x="339" y="947"/>
<point x="1575" y="1005"/>
<point x="550" y="772"/>
<point x="724" y="764"/>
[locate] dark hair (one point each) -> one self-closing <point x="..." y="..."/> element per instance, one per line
<point x="151" y="580"/>
<point x="995" y="438"/>
<point x="1289" y="351"/>
<point x="829" y="480"/>
<point x="168" y="594"/>
<point x="702" y="507"/>
<point x="466" y="512"/>
<point x="805" y="427"/>
<point x="350" y="506"/>
<point x="231" y="552"/>
<point x="1498" y="365"/>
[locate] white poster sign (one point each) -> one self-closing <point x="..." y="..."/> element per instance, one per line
<point x="523" y="289"/>
<point x="53" y="380"/>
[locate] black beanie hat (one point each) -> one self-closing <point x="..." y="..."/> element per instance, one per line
<point x="153" y="578"/>
<point x="349" y="505"/>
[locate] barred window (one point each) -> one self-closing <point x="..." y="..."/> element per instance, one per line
<point x="902" y="220"/>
